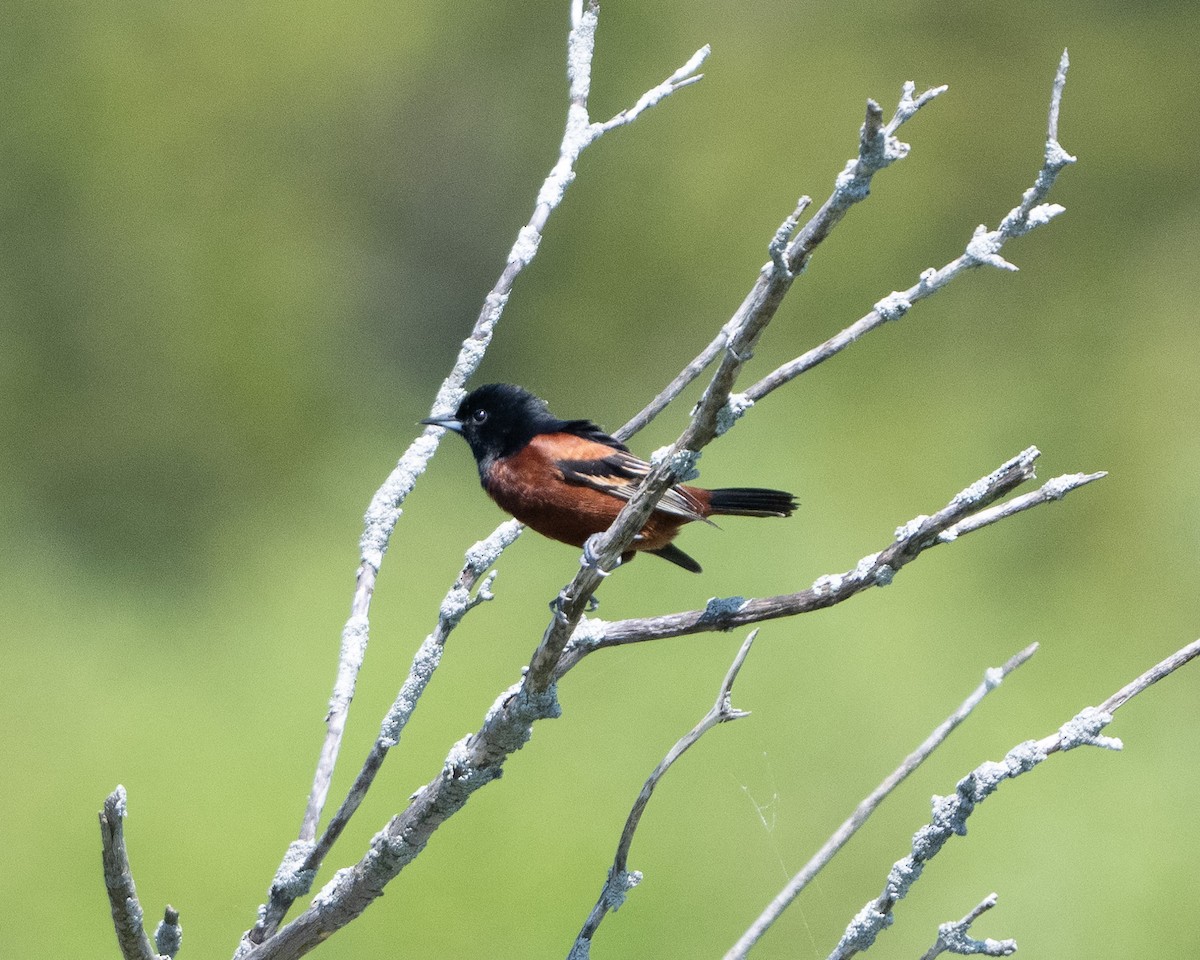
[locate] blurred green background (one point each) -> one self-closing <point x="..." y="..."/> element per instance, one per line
<point x="240" y="245"/>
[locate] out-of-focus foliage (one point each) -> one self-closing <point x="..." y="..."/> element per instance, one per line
<point x="238" y="248"/>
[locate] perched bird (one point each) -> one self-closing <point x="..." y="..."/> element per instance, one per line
<point x="568" y="479"/>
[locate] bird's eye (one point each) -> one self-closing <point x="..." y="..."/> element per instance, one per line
<point x="479" y="416"/>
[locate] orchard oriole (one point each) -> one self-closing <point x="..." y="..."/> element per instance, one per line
<point x="568" y="479"/>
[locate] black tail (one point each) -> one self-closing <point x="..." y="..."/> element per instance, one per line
<point x="677" y="556"/>
<point x="751" y="502"/>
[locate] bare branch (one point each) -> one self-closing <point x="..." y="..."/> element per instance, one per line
<point x="1060" y="83"/>
<point x="982" y="250"/>
<point x="118" y="878"/>
<point x="967" y="511"/>
<point x="991" y="680"/>
<point x="878" y="148"/>
<point x="1051" y="490"/>
<point x="1160" y="670"/>
<point x="620" y="880"/>
<point x="681" y="382"/>
<point x="300" y="866"/>
<point x="950" y="813"/>
<point x="682" y="77"/>
<point x="952" y="937"/>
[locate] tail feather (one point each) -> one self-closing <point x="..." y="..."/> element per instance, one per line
<point x="751" y="502"/>
<point x="677" y="556"/>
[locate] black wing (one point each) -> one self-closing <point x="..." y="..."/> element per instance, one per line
<point x="620" y="474"/>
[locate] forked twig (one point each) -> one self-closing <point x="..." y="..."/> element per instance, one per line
<point x="620" y="879"/>
<point x="983" y="249"/>
<point x="953" y="937"/>
<point x="127" y="914"/>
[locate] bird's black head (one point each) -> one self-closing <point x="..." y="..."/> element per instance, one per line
<point x="497" y="420"/>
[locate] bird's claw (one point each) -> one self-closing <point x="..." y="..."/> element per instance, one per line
<point x="556" y="606"/>
<point x="591" y="557"/>
<point x="741" y="357"/>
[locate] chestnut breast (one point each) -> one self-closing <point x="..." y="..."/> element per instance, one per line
<point x="531" y="487"/>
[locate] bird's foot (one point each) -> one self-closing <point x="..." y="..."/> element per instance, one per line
<point x="556" y="606"/>
<point x="591" y="556"/>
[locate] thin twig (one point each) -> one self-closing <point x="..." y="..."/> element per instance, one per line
<point x="982" y="250"/>
<point x="950" y="813"/>
<point x="991" y="680"/>
<point x="967" y="511"/>
<point x="681" y="382"/>
<point x="1050" y="491"/>
<point x="295" y="876"/>
<point x="620" y="879"/>
<point x="127" y="911"/>
<point x="953" y="938"/>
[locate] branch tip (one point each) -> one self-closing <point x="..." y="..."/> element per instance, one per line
<point x="127" y="913"/>
<point x="872" y="125"/>
<point x="620" y="879"/>
<point x="953" y="938"/>
<point x="168" y="935"/>
<point x="1056" y="94"/>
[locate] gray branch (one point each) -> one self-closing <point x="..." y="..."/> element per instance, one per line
<point x="620" y="879"/>
<point x="300" y="866"/>
<point x="969" y="510"/>
<point x="478" y="758"/>
<point x="982" y="250"/>
<point x="953" y="937"/>
<point x="128" y="918"/>
<point x="168" y="935"/>
<point x="991" y="680"/>
<point x="950" y="813"/>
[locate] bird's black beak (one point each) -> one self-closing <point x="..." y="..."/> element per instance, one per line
<point x="449" y="423"/>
